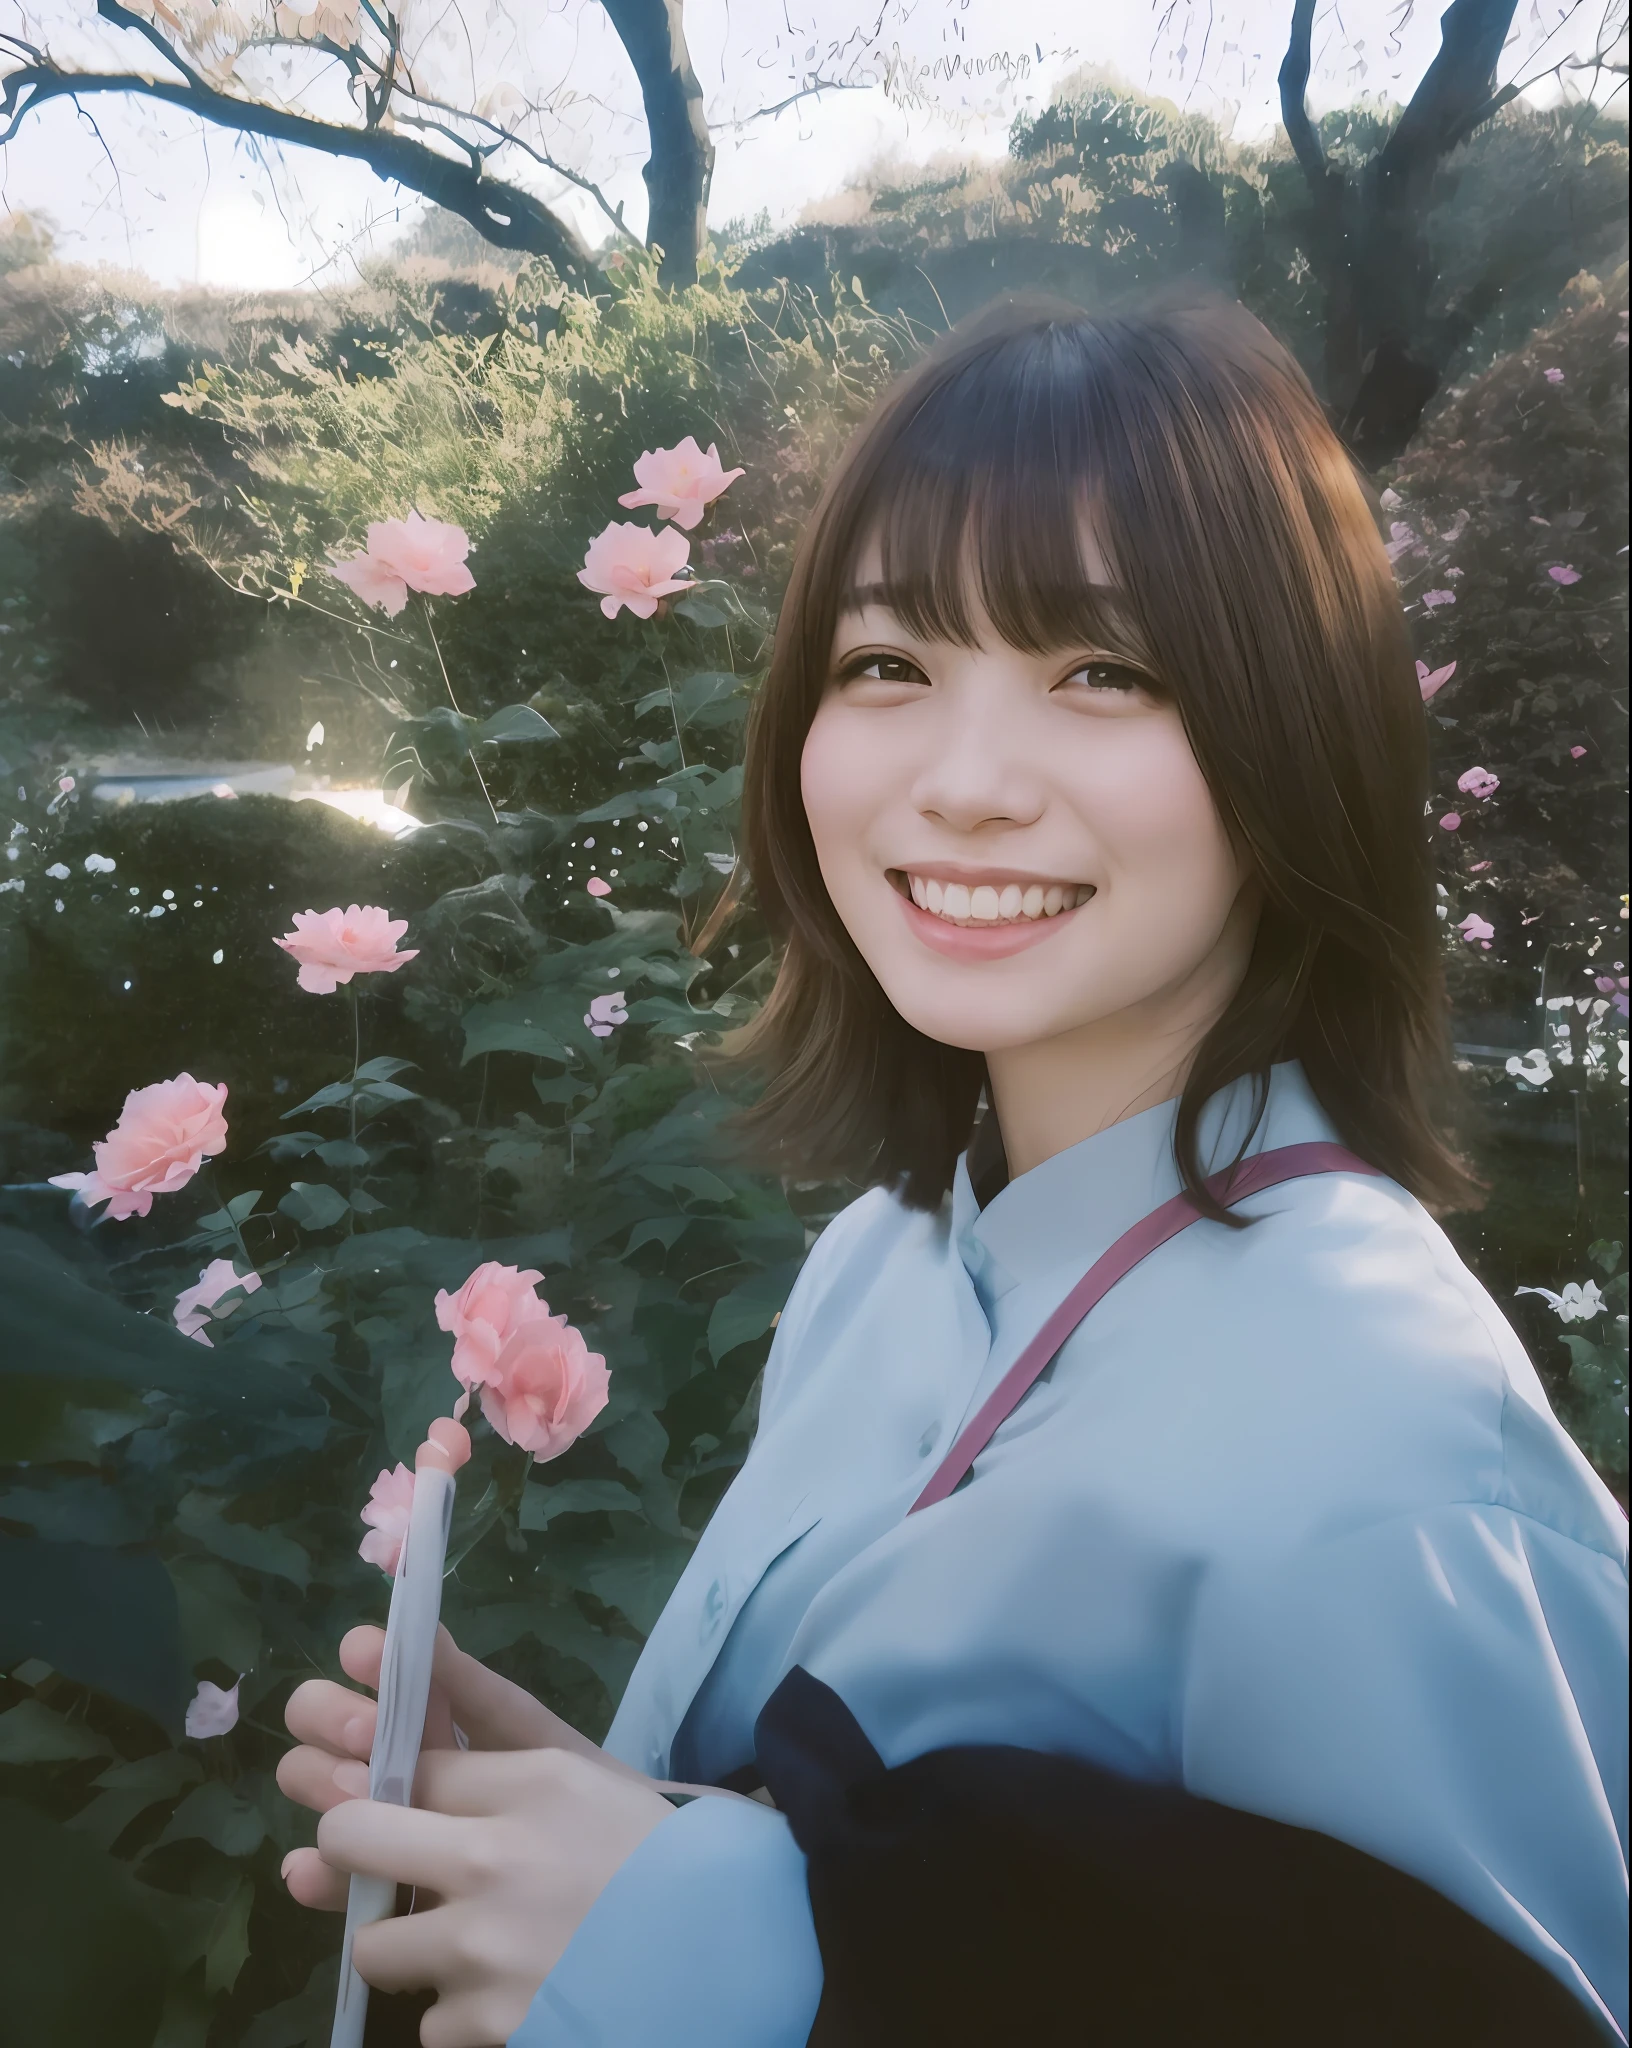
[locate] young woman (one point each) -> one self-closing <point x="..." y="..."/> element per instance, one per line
<point x="1088" y="783"/>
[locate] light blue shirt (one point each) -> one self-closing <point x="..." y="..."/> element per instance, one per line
<point x="1289" y="1523"/>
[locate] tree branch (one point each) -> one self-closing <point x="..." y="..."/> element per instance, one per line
<point x="1457" y="91"/>
<point x="1293" y="80"/>
<point x="502" y="213"/>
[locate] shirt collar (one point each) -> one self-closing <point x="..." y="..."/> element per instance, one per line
<point x="1071" y="1208"/>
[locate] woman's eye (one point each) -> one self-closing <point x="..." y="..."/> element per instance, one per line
<point x="881" y="668"/>
<point x="1109" y="676"/>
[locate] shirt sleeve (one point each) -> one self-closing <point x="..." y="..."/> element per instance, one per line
<point x="703" y="1939"/>
<point x="1447" y="1691"/>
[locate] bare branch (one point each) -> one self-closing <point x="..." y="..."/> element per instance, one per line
<point x="805" y="92"/>
<point x="502" y="213"/>
<point x="1456" y="92"/>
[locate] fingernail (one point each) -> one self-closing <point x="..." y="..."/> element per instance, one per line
<point x="352" y="1779"/>
<point x="283" y="1869"/>
<point x="359" y="1736"/>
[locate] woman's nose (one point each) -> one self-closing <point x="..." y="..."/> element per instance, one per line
<point x="976" y="772"/>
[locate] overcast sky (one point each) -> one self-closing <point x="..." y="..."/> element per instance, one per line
<point x="158" y="190"/>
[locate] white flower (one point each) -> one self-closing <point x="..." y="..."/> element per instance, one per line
<point x="99" y="864"/>
<point x="1579" y="1302"/>
<point x="57" y="871"/>
<point x="1533" y="1068"/>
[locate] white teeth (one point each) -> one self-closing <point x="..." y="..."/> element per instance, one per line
<point x="987" y="904"/>
<point x="984" y="903"/>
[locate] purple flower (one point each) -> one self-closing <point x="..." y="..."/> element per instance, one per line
<point x="1431" y="599"/>
<point x="1561" y="572"/>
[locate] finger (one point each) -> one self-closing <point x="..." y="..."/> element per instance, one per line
<point x="414" y="1952"/>
<point x="331" y="1717"/>
<point x="362" y="1651"/>
<point x="470" y="2019"/>
<point x="316" y="1779"/>
<point x="479" y="1784"/>
<point x="314" y="1883"/>
<point x="436" y="1851"/>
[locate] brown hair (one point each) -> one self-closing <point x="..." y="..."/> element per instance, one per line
<point x="1250" y="579"/>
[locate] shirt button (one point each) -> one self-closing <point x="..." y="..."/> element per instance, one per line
<point x="929" y="1440"/>
<point x="713" y="1610"/>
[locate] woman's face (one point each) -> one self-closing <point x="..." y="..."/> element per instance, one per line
<point x="1020" y="845"/>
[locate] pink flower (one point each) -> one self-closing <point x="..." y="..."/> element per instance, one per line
<point x="541" y="1385"/>
<point x="390" y="1502"/>
<point x="635" y="567"/>
<point x="1554" y="376"/>
<point x="1476" y="929"/>
<point x="1561" y="572"/>
<point x="427" y="555"/>
<point x="1450" y="822"/>
<point x="333" y="945"/>
<point x="195" y="1305"/>
<point x="546" y="1386"/>
<point x="65" y="783"/>
<point x="1432" y="599"/>
<point x="1430" y="681"/>
<point x="1576" y="753"/>
<point x="1479" y="867"/>
<point x="212" y="1711"/>
<point x="606" y="1013"/>
<point x="492" y="1302"/>
<point x="1478" y="783"/>
<point x="164" y="1134"/>
<point x="597" y="887"/>
<point x="1401" y="539"/>
<point x="682" y="482"/>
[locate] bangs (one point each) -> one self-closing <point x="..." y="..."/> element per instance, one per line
<point x="985" y="493"/>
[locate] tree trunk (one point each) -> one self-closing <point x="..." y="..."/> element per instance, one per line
<point x="681" y="163"/>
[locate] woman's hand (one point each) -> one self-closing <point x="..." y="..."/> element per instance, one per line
<point x="509" y="1845"/>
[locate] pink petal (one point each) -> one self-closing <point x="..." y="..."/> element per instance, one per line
<point x="597" y="887"/>
<point x="1561" y="572"/>
<point x="1450" y="822"/>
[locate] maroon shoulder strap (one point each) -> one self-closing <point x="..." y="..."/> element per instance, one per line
<point x="1252" y="1177"/>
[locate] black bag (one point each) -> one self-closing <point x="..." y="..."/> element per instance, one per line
<point x="1003" y="1898"/>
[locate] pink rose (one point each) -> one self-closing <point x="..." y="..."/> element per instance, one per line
<point x="1431" y="681"/>
<point x="390" y="1502"/>
<point x="195" y="1305"/>
<point x="164" y="1134"/>
<point x="1451" y="822"/>
<point x="1432" y="599"/>
<point x="597" y="887"/>
<point x="682" y="482"/>
<point x="333" y="945"/>
<point x="546" y="1386"/>
<point x="635" y="567"/>
<point x="211" y="1711"/>
<point x="483" y="1313"/>
<point x="1478" y="783"/>
<point x="427" y="555"/>
<point x="1561" y="572"/>
<point x="1476" y="929"/>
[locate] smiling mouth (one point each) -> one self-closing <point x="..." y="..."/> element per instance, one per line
<point x="986" y="904"/>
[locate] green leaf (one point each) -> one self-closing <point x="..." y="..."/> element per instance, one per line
<point x="636" y="1572"/>
<point x="341" y="1152"/>
<point x="261" y="1550"/>
<point x="213" y="1813"/>
<point x="217" y="1620"/>
<point x="749" y="1309"/>
<point x="383" y="1068"/>
<point x="128" y="1790"/>
<point x="299" y="2021"/>
<point x="1605" y="1254"/>
<point x="666" y="1230"/>
<point x="541" y="1504"/>
<point x="694" y="1180"/>
<point x="640" y="1443"/>
<point x="514" y="1025"/>
<point x="701" y="612"/>
<point x="645" y="803"/>
<point x="236" y="1210"/>
<point x="105" y="1618"/>
<point x="502" y="1622"/>
<point x="364" y="1203"/>
<point x="314" y="1204"/>
<point x="31" y="1734"/>
<point x="82" y="1959"/>
<point x="516" y="722"/>
<point x="228" y="1948"/>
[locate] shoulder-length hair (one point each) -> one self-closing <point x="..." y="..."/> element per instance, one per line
<point x="1250" y="579"/>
